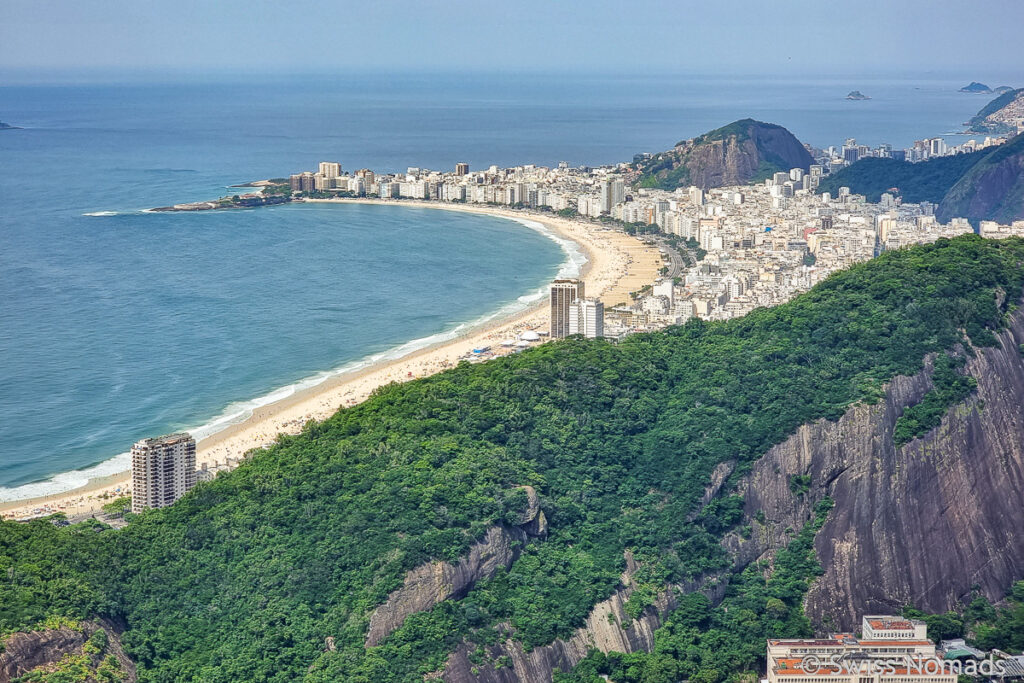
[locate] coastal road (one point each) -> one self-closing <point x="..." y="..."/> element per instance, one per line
<point x="676" y="265"/>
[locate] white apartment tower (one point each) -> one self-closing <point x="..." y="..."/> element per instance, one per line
<point x="330" y="169"/>
<point x="563" y="294"/>
<point x="163" y="470"/>
<point x="586" y="317"/>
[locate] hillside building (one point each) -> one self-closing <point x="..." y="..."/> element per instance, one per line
<point x="563" y="294"/>
<point x="890" y="650"/>
<point x="586" y="317"/>
<point x="163" y="470"/>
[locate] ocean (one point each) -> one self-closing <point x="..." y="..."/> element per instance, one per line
<point x="117" y="324"/>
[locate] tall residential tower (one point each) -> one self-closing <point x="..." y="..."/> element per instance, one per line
<point x="163" y="470"/>
<point x="563" y="294"/>
<point x="586" y="317"/>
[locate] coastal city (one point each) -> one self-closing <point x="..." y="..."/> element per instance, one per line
<point x="712" y="254"/>
<point x="727" y="250"/>
<point x="535" y="342"/>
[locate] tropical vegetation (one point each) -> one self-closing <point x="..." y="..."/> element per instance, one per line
<point x="271" y="572"/>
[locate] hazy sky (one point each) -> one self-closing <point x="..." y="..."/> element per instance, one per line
<point x="753" y="36"/>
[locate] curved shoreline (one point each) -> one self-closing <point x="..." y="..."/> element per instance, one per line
<point x="616" y="264"/>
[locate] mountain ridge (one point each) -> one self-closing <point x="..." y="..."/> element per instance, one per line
<point x="992" y="118"/>
<point x="984" y="185"/>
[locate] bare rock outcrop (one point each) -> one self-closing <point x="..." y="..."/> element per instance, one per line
<point x="433" y="582"/>
<point x="922" y="524"/>
<point x="925" y="523"/>
<point x="24" y="652"/>
<point x="731" y="155"/>
<point x="608" y="628"/>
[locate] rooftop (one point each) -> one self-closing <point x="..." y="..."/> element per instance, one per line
<point x="892" y="623"/>
<point x="167" y="439"/>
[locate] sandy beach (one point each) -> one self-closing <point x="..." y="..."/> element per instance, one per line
<point x="617" y="264"/>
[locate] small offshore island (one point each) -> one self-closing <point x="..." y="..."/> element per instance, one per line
<point x="857" y="95"/>
<point x="7" y="126"/>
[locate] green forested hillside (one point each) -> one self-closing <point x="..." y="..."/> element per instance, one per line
<point x="247" y="576"/>
<point x="925" y="181"/>
<point x="992" y="189"/>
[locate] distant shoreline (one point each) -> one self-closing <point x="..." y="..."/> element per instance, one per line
<point x="616" y="264"/>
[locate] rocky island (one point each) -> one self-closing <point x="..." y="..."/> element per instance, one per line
<point x="976" y="88"/>
<point x="7" y="126"/>
<point x="857" y="95"/>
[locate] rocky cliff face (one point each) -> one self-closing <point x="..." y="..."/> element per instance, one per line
<point x="608" y="628"/>
<point x="921" y="524"/>
<point x="736" y="154"/>
<point x="434" y="582"/>
<point x="25" y="652"/>
<point x="993" y="189"/>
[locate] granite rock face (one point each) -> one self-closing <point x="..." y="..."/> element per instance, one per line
<point x="433" y="582"/>
<point x="23" y="652"/>
<point x="917" y="525"/>
<point x="735" y="154"/>
<point x="608" y="628"/>
<point x="992" y="189"/>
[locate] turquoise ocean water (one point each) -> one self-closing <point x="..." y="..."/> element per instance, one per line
<point x="117" y="324"/>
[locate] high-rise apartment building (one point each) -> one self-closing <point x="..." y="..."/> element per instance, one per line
<point x="163" y="470"/>
<point x="307" y="182"/>
<point x="330" y="169"/>
<point x="586" y="317"/>
<point x="563" y="293"/>
<point x="613" y="191"/>
<point x="618" y="191"/>
<point x="461" y="169"/>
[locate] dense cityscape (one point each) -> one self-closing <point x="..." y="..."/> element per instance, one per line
<point x="728" y="250"/>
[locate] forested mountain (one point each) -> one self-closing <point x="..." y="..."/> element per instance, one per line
<point x="983" y="185"/>
<point x="741" y="152"/>
<point x="924" y="181"/>
<point x="687" y="492"/>
<point x="992" y="189"/>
